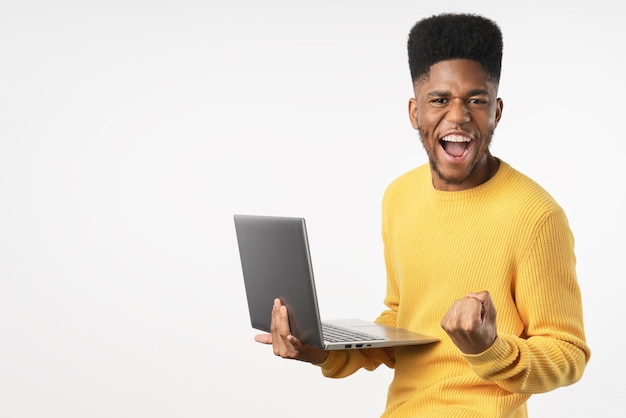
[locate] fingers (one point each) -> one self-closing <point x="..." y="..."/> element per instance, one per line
<point x="481" y="296"/>
<point x="276" y="312"/>
<point x="286" y="345"/>
<point x="281" y="339"/>
<point x="464" y="314"/>
<point x="470" y="322"/>
<point x="488" y="310"/>
<point x="485" y="301"/>
<point x="279" y="327"/>
<point x="283" y="321"/>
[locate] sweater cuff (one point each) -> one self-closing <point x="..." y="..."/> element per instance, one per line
<point x="334" y="361"/>
<point x="493" y="359"/>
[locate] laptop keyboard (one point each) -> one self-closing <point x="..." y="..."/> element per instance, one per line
<point x="334" y="334"/>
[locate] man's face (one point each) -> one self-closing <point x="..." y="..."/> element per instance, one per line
<point x="455" y="111"/>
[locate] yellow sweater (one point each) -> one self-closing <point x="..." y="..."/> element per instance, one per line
<point x="507" y="236"/>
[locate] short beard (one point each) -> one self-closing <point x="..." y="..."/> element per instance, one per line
<point x="434" y="163"/>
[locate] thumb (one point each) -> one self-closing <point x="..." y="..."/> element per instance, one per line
<point x="263" y="338"/>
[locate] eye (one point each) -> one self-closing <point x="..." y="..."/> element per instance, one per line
<point x="439" y="101"/>
<point x="476" y="101"/>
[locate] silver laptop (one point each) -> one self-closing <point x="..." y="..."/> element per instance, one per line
<point x="276" y="263"/>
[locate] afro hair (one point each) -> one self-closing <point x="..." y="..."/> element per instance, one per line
<point x="449" y="36"/>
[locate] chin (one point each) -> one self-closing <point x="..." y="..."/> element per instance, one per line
<point x="452" y="177"/>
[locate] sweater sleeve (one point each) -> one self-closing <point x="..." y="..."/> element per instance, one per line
<point x="552" y="352"/>
<point x="343" y="363"/>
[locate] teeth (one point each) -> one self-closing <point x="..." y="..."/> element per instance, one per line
<point x="455" y="138"/>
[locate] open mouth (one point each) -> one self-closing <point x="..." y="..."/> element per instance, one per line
<point x="455" y="145"/>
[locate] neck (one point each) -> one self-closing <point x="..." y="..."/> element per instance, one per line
<point x="485" y="171"/>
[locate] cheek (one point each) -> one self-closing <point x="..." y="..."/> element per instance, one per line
<point x="426" y="124"/>
<point x="427" y="138"/>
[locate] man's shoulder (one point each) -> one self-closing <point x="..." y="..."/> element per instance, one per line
<point x="521" y="186"/>
<point x="413" y="178"/>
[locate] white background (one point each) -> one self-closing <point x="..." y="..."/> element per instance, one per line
<point x="131" y="131"/>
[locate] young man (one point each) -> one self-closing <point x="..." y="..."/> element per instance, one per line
<point x="466" y="236"/>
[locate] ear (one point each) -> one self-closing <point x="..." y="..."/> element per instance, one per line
<point x="413" y="112"/>
<point x="499" y="107"/>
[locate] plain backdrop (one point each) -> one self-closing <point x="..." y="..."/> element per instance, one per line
<point x="131" y="131"/>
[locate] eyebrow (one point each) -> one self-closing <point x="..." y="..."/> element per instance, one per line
<point x="445" y="93"/>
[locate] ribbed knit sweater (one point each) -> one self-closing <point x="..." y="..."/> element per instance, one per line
<point x="507" y="236"/>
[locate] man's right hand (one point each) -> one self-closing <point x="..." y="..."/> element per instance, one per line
<point x="286" y="345"/>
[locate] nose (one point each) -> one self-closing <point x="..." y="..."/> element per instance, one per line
<point x="458" y="112"/>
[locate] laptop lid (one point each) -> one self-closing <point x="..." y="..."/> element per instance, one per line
<point x="276" y="263"/>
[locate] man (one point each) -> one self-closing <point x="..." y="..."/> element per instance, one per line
<point x="466" y="236"/>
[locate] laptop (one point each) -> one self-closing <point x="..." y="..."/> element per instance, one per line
<point x="276" y="263"/>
